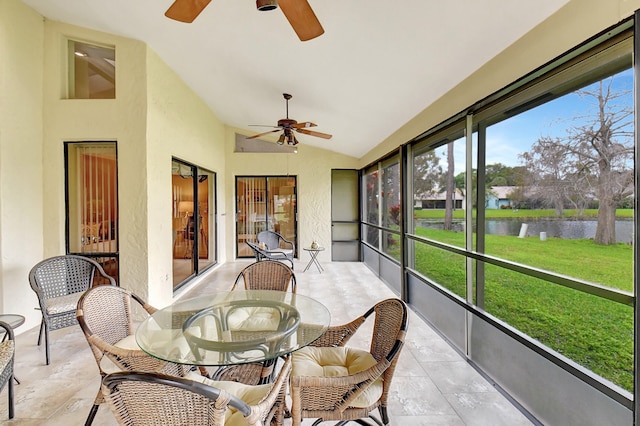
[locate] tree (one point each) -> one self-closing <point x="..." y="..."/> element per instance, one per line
<point x="549" y="171"/>
<point x="594" y="158"/>
<point x="427" y="173"/>
<point x="498" y="174"/>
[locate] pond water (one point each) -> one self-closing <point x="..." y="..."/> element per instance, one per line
<point x="567" y="229"/>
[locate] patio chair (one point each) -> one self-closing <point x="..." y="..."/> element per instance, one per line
<point x="7" y="356"/>
<point x="263" y="253"/>
<point x="106" y="315"/>
<point x="265" y="275"/>
<point x="59" y="282"/>
<point x="276" y="246"/>
<point x="335" y="382"/>
<point x="154" y="399"/>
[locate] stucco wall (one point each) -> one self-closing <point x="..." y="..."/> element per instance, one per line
<point x="21" y="203"/>
<point x="181" y="125"/>
<point x="122" y="119"/>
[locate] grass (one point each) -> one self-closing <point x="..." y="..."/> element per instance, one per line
<point x="520" y="214"/>
<point x="592" y="331"/>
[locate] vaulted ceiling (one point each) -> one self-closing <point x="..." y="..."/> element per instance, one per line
<point x="378" y="64"/>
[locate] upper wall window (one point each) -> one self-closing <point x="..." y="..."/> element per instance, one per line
<point x="92" y="71"/>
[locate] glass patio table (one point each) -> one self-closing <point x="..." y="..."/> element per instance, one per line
<point x="231" y="328"/>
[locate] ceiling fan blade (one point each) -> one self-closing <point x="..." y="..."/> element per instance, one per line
<point x="304" y="124"/>
<point x="186" y="10"/>
<point x="262" y="134"/>
<point x="313" y="133"/>
<point x="302" y="18"/>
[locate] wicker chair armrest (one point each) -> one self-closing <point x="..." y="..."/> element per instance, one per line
<point x="261" y="409"/>
<point x="339" y="335"/>
<point x="290" y="243"/>
<point x="103" y="274"/>
<point x="7" y="329"/>
<point x="147" y="307"/>
<point x="134" y="359"/>
<point x="221" y="397"/>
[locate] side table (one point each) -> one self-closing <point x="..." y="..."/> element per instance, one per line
<point x="15" y="321"/>
<point x="313" y="252"/>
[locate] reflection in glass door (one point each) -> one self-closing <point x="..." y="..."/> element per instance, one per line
<point x="192" y="221"/>
<point x="264" y="203"/>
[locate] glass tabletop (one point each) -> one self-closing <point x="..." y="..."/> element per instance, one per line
<point x="233" y="327"/>
<point x="14" y="320"/>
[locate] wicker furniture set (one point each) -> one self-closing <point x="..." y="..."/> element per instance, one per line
<point x="158" y="372"/>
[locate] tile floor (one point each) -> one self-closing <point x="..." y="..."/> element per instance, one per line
<point x="432" y="385"/>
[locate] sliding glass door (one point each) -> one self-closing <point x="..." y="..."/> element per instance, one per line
<point x="264" y="203"/>
<point x="193" y="219"/>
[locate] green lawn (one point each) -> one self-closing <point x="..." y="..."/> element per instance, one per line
<point x="519" y="213"/>
<point x="594" y="332"/>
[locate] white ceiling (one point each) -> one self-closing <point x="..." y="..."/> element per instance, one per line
<point x="378" y="64"/>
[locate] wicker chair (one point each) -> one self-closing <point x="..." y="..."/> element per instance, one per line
<point x="360" y="380"/>
<point x="154" y="399"/>
<point x="265" y="275"/>
<point x="276" y="247"/>
<point x="106" y="316"/>
<point x="264" y="253"/>
<point x="59" y="282"/>
<point x="7" y="355"/>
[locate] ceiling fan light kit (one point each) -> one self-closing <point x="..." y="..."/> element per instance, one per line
<point x="289" y="125"/>
<point x="266" y="4"/>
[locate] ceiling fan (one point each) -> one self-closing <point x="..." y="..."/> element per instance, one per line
<point x="288" y="126"/>
<point x="298" y="13"/>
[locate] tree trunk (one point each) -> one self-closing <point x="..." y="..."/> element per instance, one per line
<point x="606" y="229"/>
<point x="450" y="193"/>
<point x="559" y="208"/>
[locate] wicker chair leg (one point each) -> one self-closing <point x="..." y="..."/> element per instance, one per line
<point x="92" y="415"/>
<point x="46" y="342"/>
<point x="383" y="414"/>
<point x="96" y="404"/>
<point x="365" y="423"/>
<point x="11" y="411"/>
<point x="41" y="330"/>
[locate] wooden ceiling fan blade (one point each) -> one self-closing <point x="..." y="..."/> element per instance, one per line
<point x="262" y="134"/>
<point x="314" y="133"/>
<point x="186" y="10"/>
<point x="302" y="18"/>
<point x="303" y="124"/>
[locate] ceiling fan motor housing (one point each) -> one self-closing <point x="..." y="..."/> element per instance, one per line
<point x="286" y="122"/>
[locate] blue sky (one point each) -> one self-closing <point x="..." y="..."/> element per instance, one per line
<point x="507" y="139"/>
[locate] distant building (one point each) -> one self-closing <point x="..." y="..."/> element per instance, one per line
<point x="499" y="197"/>
<point x="436" y="200"/>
